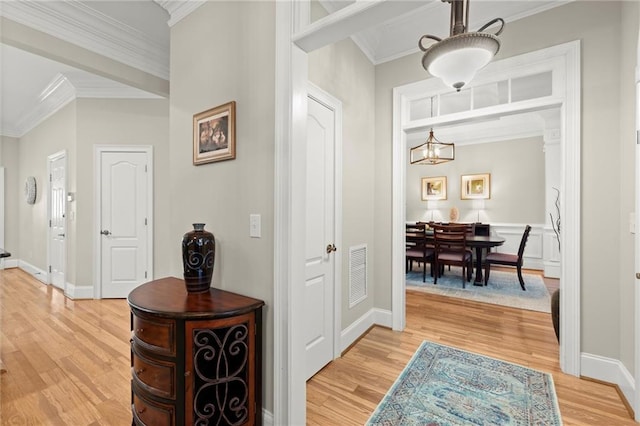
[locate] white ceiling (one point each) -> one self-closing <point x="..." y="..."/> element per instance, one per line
<point x="136" y="32"/>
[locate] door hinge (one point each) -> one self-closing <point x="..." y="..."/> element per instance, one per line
<point x="49" y="268"/>
<point x="145" y="168"/>
<point x="50" y="177"/>
<point x="49" y="223"/>
<point x="145" y="274"/>
<point x="145" y="221"/>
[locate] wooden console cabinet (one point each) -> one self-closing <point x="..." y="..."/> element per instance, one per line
<point x="195" y="358"/>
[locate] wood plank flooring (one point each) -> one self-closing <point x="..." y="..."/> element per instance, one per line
<point x="347" y="390"/>
<point x="68" y="361"/>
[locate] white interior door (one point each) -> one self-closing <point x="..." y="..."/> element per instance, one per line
<point x="57" y="219"/>
<point x="123" y="222"/>
<point x="320" y="237"/>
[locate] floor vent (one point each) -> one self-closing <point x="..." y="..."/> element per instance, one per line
<point x="357" y="274"/>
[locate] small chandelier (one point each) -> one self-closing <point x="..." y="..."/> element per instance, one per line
<point x="456" y="59"/>
<point x="432" y="151"/>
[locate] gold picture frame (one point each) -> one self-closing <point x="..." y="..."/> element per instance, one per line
<point x="475" y="187"/>
<point x="214" y="134"/>
<point x="434" y="188"/>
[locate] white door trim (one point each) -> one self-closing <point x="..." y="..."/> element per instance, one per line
<point x="50" y="159"/>
<point x="335" y="105"/>
<point x="636" y="311"/>
<point x="568" y="99"/>
<point x="97" y="208"/>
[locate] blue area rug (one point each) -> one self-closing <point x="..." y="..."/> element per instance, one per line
<point x="503" y="289"/>
<point x="444" y="386"/>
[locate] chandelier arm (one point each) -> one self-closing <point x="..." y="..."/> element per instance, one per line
<point x="488" y="24"/>
<point x="429" y="36"/>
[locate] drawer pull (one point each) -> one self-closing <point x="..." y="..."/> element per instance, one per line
<point x="139" y="371"/>
<point x="139" y="330"/>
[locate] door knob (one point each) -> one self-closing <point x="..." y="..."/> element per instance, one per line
<point x="60" y="235"/>
<point x="105" y="232"/>
<point x="638" y="275"/>
<point x="330" y="248"/>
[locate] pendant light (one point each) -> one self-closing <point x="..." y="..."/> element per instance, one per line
<point x="457" y="58"/>
<point x="432" y="151"/>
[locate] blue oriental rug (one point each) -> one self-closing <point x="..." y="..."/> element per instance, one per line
<point x="442" y="386"/>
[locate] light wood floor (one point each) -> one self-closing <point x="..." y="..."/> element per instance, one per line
<point x="68" y="361"/>
<point x="348" y="390"/>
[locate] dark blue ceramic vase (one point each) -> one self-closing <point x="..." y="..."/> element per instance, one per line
<point x="198" y="257"/>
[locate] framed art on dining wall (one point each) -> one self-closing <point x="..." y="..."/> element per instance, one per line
<point x="475" y="187"/>
<point x="214" y="134"/>
<point x="434" y="188"/>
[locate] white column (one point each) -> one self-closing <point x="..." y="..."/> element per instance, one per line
<point x="551" y="250"/>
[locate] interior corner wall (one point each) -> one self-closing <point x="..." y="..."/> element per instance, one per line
<point x="517" y="186"/>
<point x="9" y="159"/>
<point x="598" y="29"/>
<point x="55" y="134"/>
<point x="628" y="185"/>
<point x="225" y="51"/>
<point x="342" y="70"/>
<point x="118" y="122"/>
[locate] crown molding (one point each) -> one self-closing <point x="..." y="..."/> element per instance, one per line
<point x="51" y="100"/>
<point x="65" y="88"/>
<point x="78" y="23"/>
<point x="179" y="9"/>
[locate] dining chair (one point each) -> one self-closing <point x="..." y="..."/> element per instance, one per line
<point x="451" y="249"/>
<point x="508" y="259"/>
<point x="418" y="248"/>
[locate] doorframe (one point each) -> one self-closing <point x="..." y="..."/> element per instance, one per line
<point x="335" y="105"/>
<point x="636" y="311"/>
<point x="50" y="159"/>
<point x="565" y="60"/>
<point x="97" y="208"/>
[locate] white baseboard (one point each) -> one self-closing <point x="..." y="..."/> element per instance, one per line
<point x="267" y="418"/>
<point x="78" y="292"/>
<point x="361" y="325"/>
<point x="552" y="269"/>
<point x="608" y="370"/>
<point x="10" y="263"/>
<point x="37" y="273"/>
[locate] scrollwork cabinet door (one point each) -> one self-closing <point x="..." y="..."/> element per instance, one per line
<point x="220" y="371"/>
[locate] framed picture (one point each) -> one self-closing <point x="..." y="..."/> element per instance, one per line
<point x="214" y="134"/>
<point x="475" y="187"/>
<point x="434" y="188"/>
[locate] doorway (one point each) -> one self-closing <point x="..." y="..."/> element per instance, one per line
<point x="57" y="212"/>
<point x="123" y="218"/>
<point x="322" y="259"/>
<point x="561" y="62"/>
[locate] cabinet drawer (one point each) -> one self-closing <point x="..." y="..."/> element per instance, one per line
<point x="154" y="376"/>
<point x="155" y="334"/>
<point x="150" y="413"/>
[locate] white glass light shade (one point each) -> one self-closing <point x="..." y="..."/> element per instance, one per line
<point x="456" y="59"/>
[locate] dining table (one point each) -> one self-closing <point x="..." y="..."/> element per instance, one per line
<point x="479" y="243"/>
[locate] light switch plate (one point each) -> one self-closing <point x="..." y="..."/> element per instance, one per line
<point x="254" y="226"/>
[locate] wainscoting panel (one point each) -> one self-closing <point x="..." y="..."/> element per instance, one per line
<point x="512" y="232"/>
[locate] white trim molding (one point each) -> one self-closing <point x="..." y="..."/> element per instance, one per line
<point x="78" y="23"/>
<point x="611" y="371"/>
<point x="76" y="292"/>
<point x="179" y="9"/>
<point x="359" y="327"/>
<point x="36" y="272"/>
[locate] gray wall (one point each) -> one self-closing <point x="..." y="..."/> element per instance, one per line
<point x="629" y="41"/>
<point x="342" y="70"/>
<point x="225" y="51"/>
<point x="77" y="127"/>
<point x="56" y="133"/>
<point x="13" y="191"/>
<point x="605" y="173"/>
<point x="517" y="183"/>
<point x="120" y="122"/>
